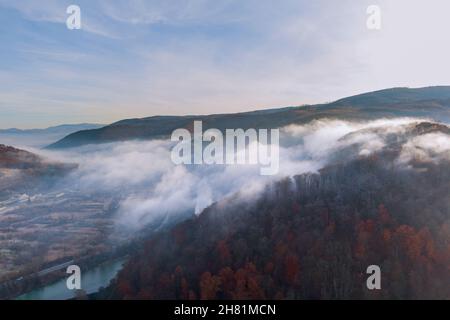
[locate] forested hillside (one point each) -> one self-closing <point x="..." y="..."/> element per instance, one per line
<point x="310" y="237"/>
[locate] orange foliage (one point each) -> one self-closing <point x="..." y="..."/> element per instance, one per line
<point x="209" y="286"/>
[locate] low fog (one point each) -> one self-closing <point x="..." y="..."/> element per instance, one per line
<point x="149" y="186"/>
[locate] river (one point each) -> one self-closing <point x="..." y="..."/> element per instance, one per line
<point x="91" y="281"/>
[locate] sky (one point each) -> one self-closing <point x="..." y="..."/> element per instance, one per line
<point x="136" y="58"/>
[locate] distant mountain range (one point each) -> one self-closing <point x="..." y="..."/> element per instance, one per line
<point x="62" y="129"/>
<point x="38" y="138"/>
<point x="429" y="102"/>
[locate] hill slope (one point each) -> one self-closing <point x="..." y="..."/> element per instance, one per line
<point x="312" y="236"/>
<point x="21" y="170"/>
<point x="432" y="102"/>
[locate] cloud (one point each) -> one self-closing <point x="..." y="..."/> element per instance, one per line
<point x="149" y="187"/>
<point x="49" y="10"/>
<point x="225" y="56"/>
<point x="431" y="147"/>
<point x="217" y="57"/>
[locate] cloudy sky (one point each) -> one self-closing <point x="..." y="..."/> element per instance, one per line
<point x="140" y="58"/>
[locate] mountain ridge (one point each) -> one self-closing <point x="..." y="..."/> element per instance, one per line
<point x="431" y="102"/>
<point x="53" y="129"/>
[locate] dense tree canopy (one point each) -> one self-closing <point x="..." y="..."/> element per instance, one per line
<point x="308" y="237"/>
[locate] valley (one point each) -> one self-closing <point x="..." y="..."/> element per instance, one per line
<point x="373" y="185"/>
<point x="40" y="229"/>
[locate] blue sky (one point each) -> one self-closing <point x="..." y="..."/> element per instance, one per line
<point x="142" y="58"/>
